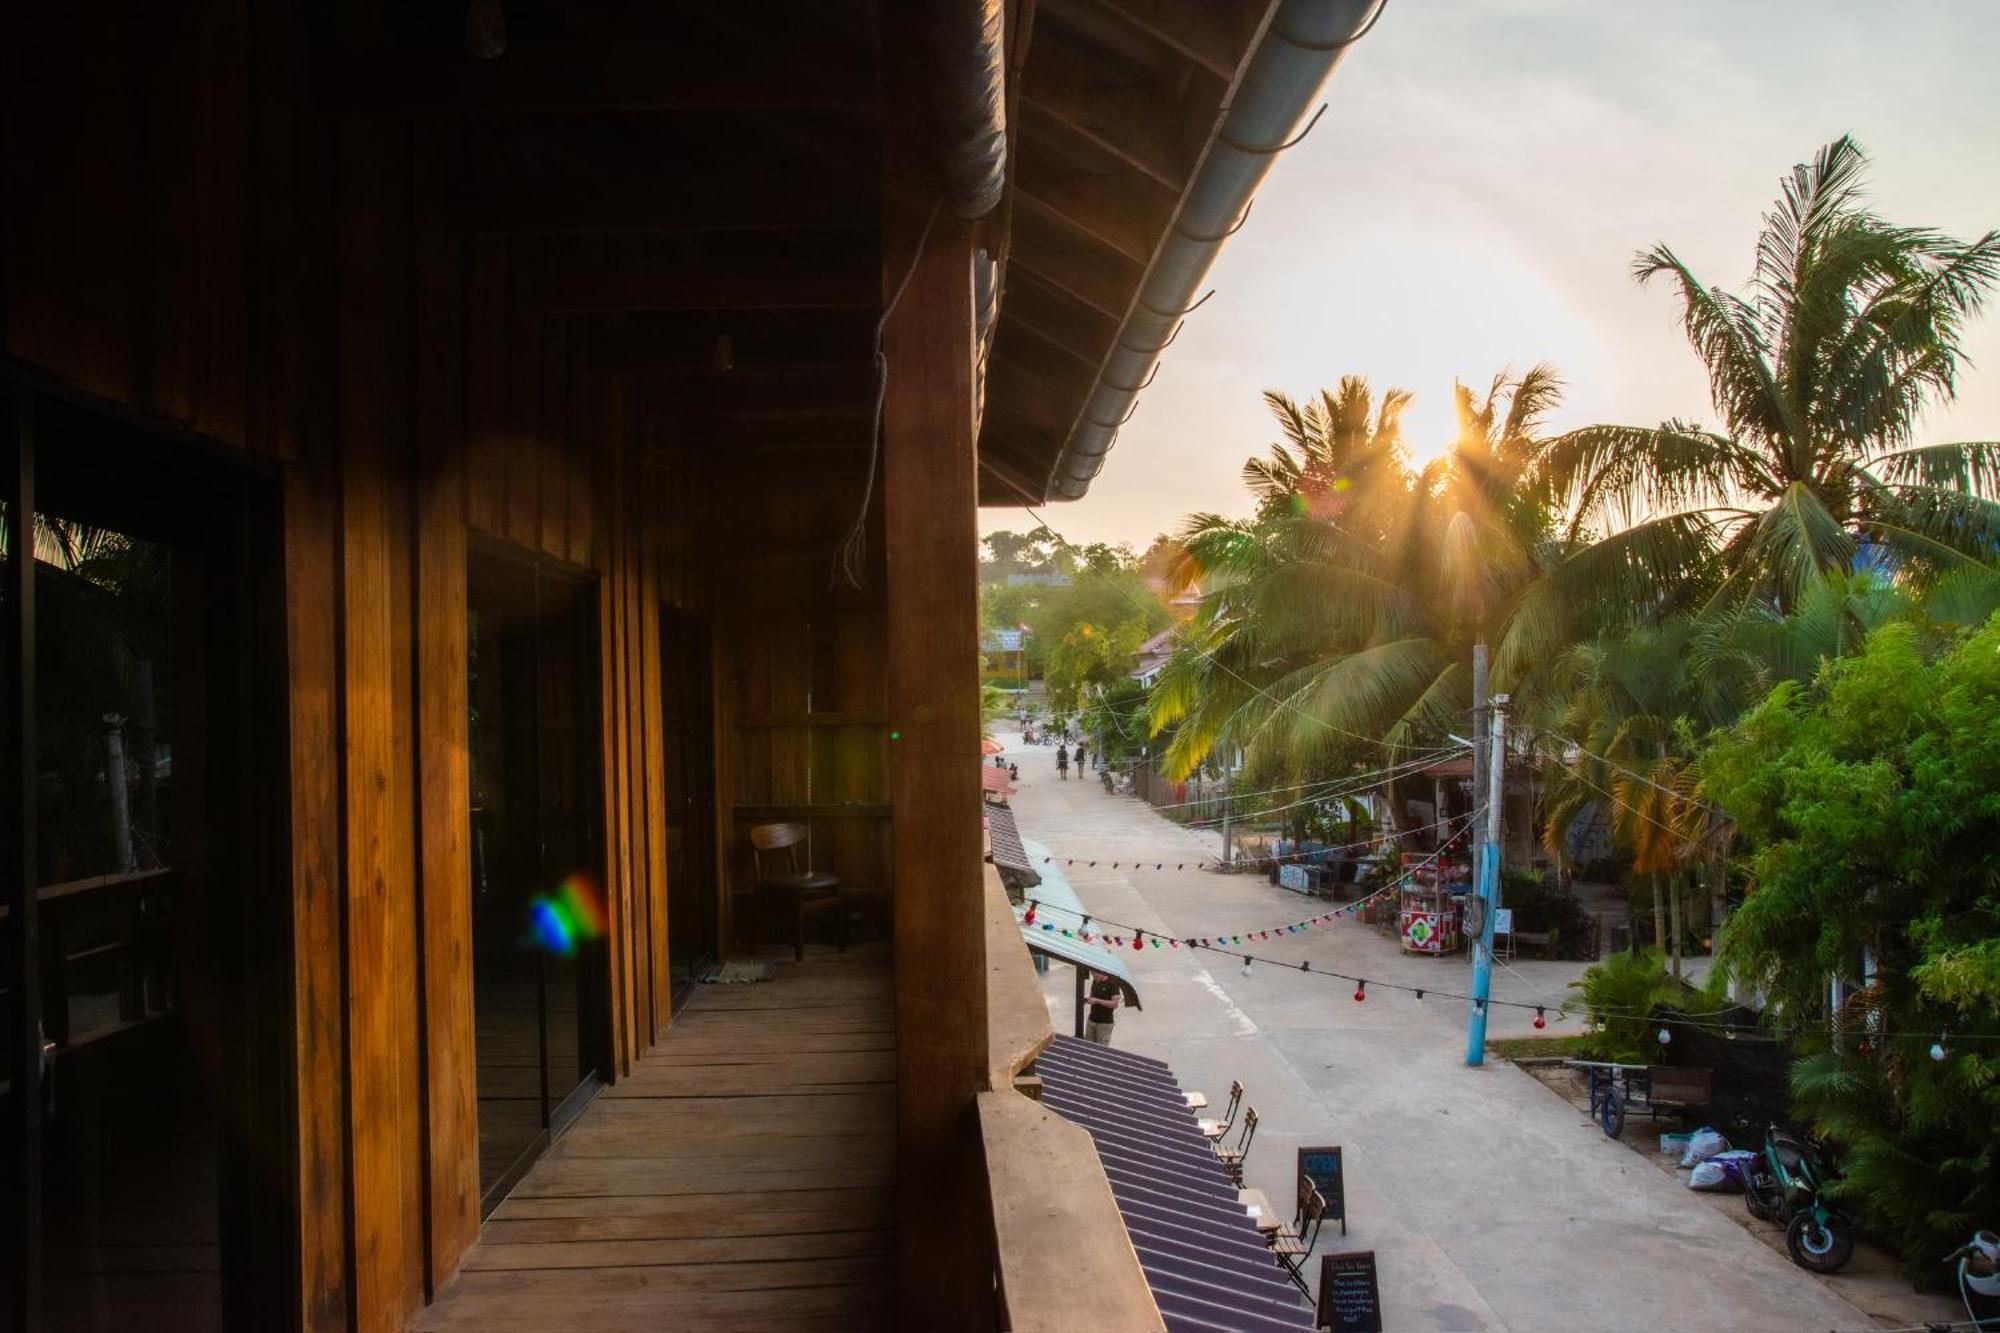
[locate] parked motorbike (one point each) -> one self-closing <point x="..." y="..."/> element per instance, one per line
<point x="1978" y="1263"/>
<point x="1787" y="1186"/>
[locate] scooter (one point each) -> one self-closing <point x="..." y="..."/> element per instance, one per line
<point x="1978" y="1263"/>
<point x="1787" y="1186"/>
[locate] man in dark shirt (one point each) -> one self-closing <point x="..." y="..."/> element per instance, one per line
<point x="1105" y="997"/>
<point x="1062" y="762"/>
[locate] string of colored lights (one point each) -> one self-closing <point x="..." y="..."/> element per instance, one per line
<point x="1083" y="931"/>
<point x="1142" y="864"/>
<point x="1139" y="939"/>
<point x="1352" y="783"/>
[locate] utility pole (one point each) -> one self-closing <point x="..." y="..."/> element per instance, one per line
<point x="1489" y="887"/>
<point x="1478" y="721"/>
<point x="1227" y="859"/>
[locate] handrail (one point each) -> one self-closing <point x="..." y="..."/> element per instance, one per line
<point x="1061" y="1254"/>
<point x="1017" y="1018"/>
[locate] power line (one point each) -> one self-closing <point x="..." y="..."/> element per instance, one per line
<point x="1028" y="505"/>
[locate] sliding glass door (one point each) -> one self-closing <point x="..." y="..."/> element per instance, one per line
<point x="144" y="906"/>
<point x="537" y="812"/>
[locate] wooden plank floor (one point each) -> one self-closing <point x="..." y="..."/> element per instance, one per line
<point x="741" y="1178"/>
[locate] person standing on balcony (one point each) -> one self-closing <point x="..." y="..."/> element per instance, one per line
<point x="1105" y="997"/>
<point x="1062" y="762"/>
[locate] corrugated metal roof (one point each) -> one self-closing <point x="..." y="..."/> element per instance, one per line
<point x="1206" y="1264"/>
<point x="1046" y="935"/>
<point x="1005" y="836"/>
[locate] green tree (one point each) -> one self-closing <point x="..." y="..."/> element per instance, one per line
<point x="1009" y="553"/>
<point x="1850" y="328"/>
<point x="1346" y="609"/>
<point x="1870" y="800"/>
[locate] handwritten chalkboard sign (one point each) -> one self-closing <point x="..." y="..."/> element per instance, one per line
<point x="1322" y="1167"/>
<point x="1349" y="1299"/>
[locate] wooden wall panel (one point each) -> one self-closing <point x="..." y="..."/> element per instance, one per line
<point x="441" y="736"/>
<point x="384" y="1111"/>
<point x="487" y="443"/>
<point x="318" y="949"/>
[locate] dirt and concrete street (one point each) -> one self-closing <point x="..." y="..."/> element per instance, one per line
<point x="1489" y="1202"/>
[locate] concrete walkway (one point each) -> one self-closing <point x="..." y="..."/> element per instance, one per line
<point x="1490" y="1204"/>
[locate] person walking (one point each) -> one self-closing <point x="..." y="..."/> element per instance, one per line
<point x="1062" y="762"/>
<point x="1105" y="997"/>
<point x="1082" y="758"/>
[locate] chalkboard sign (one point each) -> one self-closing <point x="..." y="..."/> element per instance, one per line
<point x="1349" y="1299"/>
<point x="1322" y="1167"/>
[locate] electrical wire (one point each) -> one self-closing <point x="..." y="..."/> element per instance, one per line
<point x="850" y="554"/>
<point x="1140" y="864"/>
<point x="1392" y="771"/>
<point x="1028" y="503"/>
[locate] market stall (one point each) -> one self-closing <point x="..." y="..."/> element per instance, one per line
<point x="1431" y="908"/>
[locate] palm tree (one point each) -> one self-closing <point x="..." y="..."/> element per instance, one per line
<point x="1345" y="611"/>
<point x="1850" y="327"/>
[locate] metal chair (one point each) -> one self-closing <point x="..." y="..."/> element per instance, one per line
<point x="1215" y="1129"/>
<point x="1294" y="1247"/>
<point x="778" y="851"/>
<point x="1232" y="1159"/>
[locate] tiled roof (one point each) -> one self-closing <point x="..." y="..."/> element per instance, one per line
<point x="1206" y="1264"/>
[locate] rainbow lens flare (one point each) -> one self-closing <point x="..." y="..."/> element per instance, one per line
<point x="571" y="916"/>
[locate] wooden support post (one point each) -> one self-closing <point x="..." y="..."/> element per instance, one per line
<point x="929" y="472"/>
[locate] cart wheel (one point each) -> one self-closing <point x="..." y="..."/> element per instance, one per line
<point x="1612" y="1114"/>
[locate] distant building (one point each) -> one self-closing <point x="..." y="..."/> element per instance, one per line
<point x="1152" y="655"/>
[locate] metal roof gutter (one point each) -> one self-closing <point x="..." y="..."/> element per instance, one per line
<point x="1291" y="63"/>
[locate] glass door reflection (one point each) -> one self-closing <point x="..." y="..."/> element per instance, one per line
<point x="537" y="911"/>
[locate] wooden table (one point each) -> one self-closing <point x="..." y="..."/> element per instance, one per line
<point x="1262" y="1215"/>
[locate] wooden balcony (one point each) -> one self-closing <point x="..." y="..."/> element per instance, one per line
<point x="742" y="1176"/>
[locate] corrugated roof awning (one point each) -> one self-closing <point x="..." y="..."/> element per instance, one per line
<point x="1203" y="1258"/>
<point x="1046" y="935"/>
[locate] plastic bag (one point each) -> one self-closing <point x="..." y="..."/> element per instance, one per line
<point x="1705" y="1144"/>
<point x="1737" y="1162"/>
<point x="1711" y="1175"/>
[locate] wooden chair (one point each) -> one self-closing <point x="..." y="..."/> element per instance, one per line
<point x="1214" y="1130"/>
<point x="779" y="851"/>
<point x="1294" y="1247"/>
<point x="1232" y="1159"/>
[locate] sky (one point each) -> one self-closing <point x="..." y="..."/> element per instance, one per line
<point x="1474" y="195"/>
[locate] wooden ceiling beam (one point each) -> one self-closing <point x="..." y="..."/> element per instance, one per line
<point x="1031" y="395"/>
<point x="659" y="197"/>
<point x="1215" y="36"/>
<point x="1051" y="249"/>
<point x="1057" y="317"/>
<point x="800" y="280"/>
<point x="692" y="348"/>
<point x="772" y="392"/>
<point x="1005" y="472"/>
<point x="583" y="75"/>
<point x="1119" y="111"/>
<point x="1122" y="211"/>
<point x="805" y="434"/>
